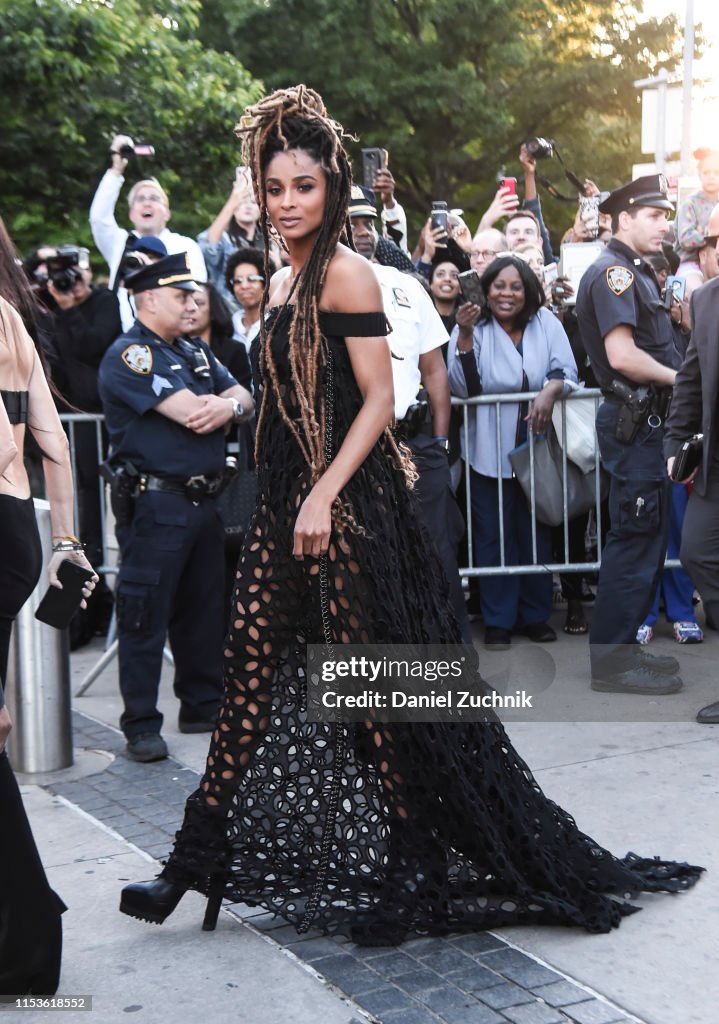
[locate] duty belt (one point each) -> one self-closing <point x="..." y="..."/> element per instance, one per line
<point x="192" y="487"/>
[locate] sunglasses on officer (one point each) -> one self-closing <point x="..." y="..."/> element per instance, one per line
<point x="253" y="278"/>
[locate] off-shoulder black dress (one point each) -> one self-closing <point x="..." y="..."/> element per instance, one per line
<point x="354" y="828"/>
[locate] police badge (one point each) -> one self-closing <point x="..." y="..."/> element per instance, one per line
<point x="619" y="279"/>
<point x="138" y="358"/>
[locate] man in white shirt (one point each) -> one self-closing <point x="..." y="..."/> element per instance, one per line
<point x="149" y="210"/>
<point x="416" y="342"/>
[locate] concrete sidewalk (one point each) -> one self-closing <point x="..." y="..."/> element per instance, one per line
<point x="648" y="786"/>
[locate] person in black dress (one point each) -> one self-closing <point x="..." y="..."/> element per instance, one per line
<point x="30" y="922"/>
<point x="370" y="830"/>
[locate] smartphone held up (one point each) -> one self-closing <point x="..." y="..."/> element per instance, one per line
<point x="374" y="159"/>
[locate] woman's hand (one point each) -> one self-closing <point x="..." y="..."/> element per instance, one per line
<point x="73" y="556"/>
<point x="5" y="727"/>
<point x="430" y="240"/>
<point x="466" y="317"/>
<point x="313" y="525"/>
<point x="459" y="231"/>
<point x="540" y="413"/>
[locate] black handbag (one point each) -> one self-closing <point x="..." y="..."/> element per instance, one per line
<point x="688" y="458"/>
<point x="237" y="501"/>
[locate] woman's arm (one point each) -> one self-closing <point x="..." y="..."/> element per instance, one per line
<point x="46" y="428"/>
<point x="561" y="368"/>
<point x="351" y="287"/>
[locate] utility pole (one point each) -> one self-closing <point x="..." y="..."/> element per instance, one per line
<point x="686" y="151"/>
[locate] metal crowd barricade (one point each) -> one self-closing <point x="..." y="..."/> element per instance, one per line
<point x="467" y="405"/>
<point x="108" y="567"/>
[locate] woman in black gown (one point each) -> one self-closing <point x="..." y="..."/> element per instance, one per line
<point x="30" y="924"/>
<point x="372" y="830"/>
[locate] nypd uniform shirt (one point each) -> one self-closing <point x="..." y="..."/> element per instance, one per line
<point x="620" y="288"/>
<point x="416" y="328"/>
<point x="138" y="372"/>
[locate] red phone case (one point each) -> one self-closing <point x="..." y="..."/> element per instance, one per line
<point x="510" y="186"/>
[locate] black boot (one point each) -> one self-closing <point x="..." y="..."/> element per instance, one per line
<point x="154" y="901"/>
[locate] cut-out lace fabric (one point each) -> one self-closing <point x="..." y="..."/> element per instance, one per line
<point x="439" y="825"/>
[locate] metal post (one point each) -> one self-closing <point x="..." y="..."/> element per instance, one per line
<point x="39" y="679"/>
<point x="660" y="155"/>
<point x="686" y="151"/>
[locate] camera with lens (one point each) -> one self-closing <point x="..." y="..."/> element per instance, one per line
<point x="539" y="148"/>
<point x="130" y="264"/>
<point x="65" y="269"/>
<point x="139" y="149"/>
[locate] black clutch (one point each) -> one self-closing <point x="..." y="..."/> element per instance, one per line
<point x="688" y="458"/>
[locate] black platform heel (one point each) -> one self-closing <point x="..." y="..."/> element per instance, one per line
<point x="214" y="902"/>
<point x="154" y="901"/>
<point x="151" y="901"/>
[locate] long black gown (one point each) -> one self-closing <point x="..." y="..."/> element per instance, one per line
<point x="441" y="825"/>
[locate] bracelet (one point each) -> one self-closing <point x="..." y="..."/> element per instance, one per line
<point x="67" y="545"/>
<point x="437" y="437"/>
<point x="66" y="536"/>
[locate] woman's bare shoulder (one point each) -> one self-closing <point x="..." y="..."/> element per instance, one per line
<point x="279" y="286"/>
<point x="351" y="285"/>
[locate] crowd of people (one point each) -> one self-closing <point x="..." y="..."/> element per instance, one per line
<point x="269" y="359"/>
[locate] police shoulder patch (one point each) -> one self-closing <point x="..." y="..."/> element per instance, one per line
<point x="619" y="279"/>
<point x="138" y="358"/>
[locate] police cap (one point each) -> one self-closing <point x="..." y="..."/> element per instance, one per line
<point x="362" y="202"/>
<point x="171" y="271"/>
<point x="650" y="190"/>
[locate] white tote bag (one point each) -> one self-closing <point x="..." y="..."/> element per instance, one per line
<point x="581" y="441"/>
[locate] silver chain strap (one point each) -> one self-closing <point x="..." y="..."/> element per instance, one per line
<point x="340" y="732"/>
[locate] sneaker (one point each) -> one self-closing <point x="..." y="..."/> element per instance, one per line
<point x="148" y="746"/>
<point x="644" y="634"/>
<point x="664" y="664"/>
<point x="638" y="680"/>
<point x="687" y="632"/>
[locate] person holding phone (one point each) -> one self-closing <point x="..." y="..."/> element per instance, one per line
<point x="30" y="926"/>
<point x="508" y="343"/>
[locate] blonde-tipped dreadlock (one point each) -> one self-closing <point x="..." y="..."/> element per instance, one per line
<point x="296" y="118"/>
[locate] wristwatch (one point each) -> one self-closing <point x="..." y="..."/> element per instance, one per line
<point x="238" y="412"/>
<point x="443" y="442"/>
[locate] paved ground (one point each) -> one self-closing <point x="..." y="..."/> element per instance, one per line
<point x="648" y="784"/>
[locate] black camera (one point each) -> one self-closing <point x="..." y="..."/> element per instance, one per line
<point x="130" y="264"/>
<point x="139" y="149"/>
<point x="65" y="269"/>
<point x="540" y="149"/>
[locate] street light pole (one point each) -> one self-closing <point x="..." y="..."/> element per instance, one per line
<point x="686" y="150"/>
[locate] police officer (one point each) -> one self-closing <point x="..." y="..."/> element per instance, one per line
<point x="417" y="338"/>
<point x="167" y="401"/>
<point x="627" y="334"/>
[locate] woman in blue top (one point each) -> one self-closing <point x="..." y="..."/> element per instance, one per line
<point x="511" y="343"/>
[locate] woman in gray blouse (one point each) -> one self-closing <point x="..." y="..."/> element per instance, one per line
<point x="509" y="344"/>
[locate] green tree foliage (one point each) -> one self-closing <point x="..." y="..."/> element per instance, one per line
<point x="452" y="87"/>
<point x="75" y="72"/>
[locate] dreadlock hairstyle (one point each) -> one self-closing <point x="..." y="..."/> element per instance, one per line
<point x="296" y="118"/>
